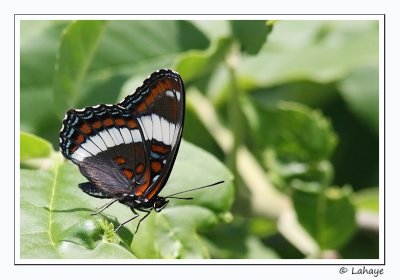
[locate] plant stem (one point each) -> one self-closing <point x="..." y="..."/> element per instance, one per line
<point x="234" y="117"/>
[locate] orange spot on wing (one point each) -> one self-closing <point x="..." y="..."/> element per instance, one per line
<point x="149" y="99"/>
<point x="139" y="168"/>
<point x="128" y="173"/>
<point x="139" y="190"/>
<point x="120" y="160"/>
<point x="85" y="128"/>
<point x="96" y="124"/>
<point x="156" y="166"/>
<point x="159" y="149"/>
<point x="141" y="107"/>
<point x="156" y="189"/>
<point x="107" y="122"/>
<point x="132" y="124"/>
<point x="73" y="148"/>
<point x="79" y="140"/>
<point x="119" y="122"/>
<point x="158" y="89"/>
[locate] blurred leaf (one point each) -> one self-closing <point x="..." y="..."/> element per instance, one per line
<point x="32" y="146"/>
<point x="361" y="91"/>
<point x="367" y="199"/>
<point x="364" y="245"/>
<point x="78" y="45"/>
<point x="296" y="142"/>
<point x="39" y="54"/>
<point x="234" y="241"/>
<point x="312" y="94"/>
<point x="36" y="152"/>
<point x="39" y="43"/>
<point x="327" y="215"/>
<point x="190" y="37"/>
<point x="194" y="127"/>
<point x="55" y="220"/>
<point x="213" y="29"/>
<point x="252" y="34"/>
<point x="262" y="227"/>
<point x="322" y="60"/>
<point x="195" y="64"/>
<point x="294" y="131"/>
<point x="257" y="250"/>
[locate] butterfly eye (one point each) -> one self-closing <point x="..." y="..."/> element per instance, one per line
<point x="160" y="203"/>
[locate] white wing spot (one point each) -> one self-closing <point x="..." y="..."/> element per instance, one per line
<point x="80" y="154"/>
<point x="99" y="142"/>
<point x="170" y="93"/>
<point x="136" y="136"/>
<point x="157" y="132"/>
<point x="126" y="135"/>
<point x="107" y="138"/>
<point x="147" y="126"/>
<point x="155" y="178"/>
<point x="171" y="132"/>
<point x="91" y="147"/>
<point x="165" y="131"/>
<point x="116" y="136"/>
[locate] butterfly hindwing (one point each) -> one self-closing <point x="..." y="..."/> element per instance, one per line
<point x="107" y="144"/>
<point x="94" y="191"/>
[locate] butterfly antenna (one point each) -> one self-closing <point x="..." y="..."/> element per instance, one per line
<point x="188" y="198"/>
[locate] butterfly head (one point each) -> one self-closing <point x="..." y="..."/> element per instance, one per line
<point x="159" y="203"/>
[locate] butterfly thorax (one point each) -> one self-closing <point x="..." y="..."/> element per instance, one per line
<point x="157" y="203"/>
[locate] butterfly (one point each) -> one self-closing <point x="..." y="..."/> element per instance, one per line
<point x="127" y="150"/>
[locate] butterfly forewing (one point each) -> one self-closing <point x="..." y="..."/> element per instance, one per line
<point x="159" y="109"/>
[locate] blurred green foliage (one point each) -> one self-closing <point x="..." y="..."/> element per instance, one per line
<point x="290" y="107"/>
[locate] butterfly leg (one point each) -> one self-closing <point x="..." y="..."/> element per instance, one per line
<point x="104" y="207"/>
<point x="144" y="217"/>
<point x="127" y="221"/>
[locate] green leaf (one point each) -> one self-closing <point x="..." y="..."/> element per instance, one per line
<point x="234" y="241"/>
<point x="327" y="215"/>
<point x="39" y="43"/>
<point x="361" y="91"/>
<point x="329" y="53"/>
<point x="294" y="131"/>
<point x="196" y="64"/>
<point x="78" y="45"/>
<point x="251" y="34"/>
<point x="296" y="142"/>
<point x="56" y="222"/>
<point x="33" y="147"/>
